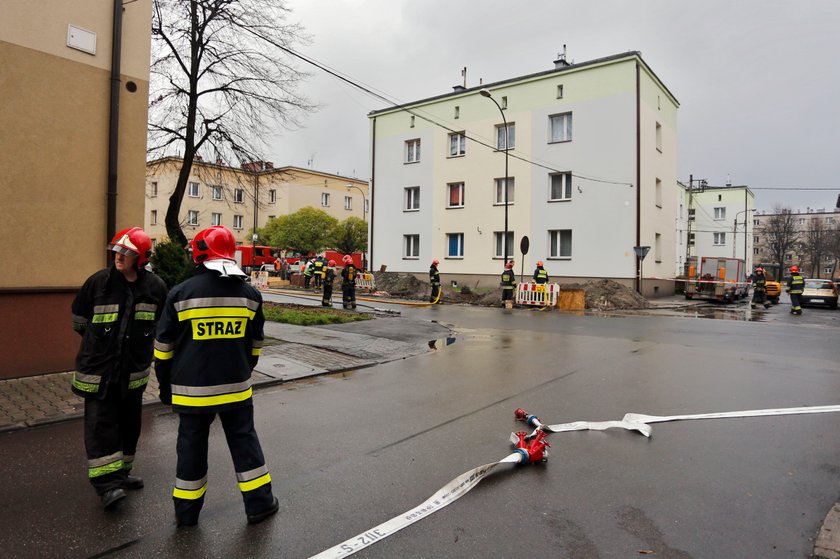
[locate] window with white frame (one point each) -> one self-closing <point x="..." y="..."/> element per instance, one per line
<point x="719" y="239"/>
<point x="560" y="243"/>
<point x="216" y="192"/>
<point x="192" y="190"/>
<point x="756" y="222"/>
<point x="504" y="101"/>
<point x="691" y="239"/>
<point x="412" y="198"/>
<point x="560" y="91"/>
<point x="237" y="222"/>
<point x="455" y="245"/>
<point x="215" y="218"/>
<point x="498" y="236"/>
<point x="239" y="196"/>
<point x="500" y="190"/>
<point x="659" y="137"/>
<point x="801" y="221"/>
<point x="272" y="196"/>
<point x="412" y="151"/>
<point x="755" y="251"/>
<point x="456" y="195"/>
<point x="153" y="189"/>
<point x="325" y="199"/>
<point x="560" y="187"/>
<point x="561" y="127"/>
<point x="506" y="141"/>
<point x="457" y="144"/>
<point x="411" y="246"/>
<point x="720" y="214"/>
<point x="367" y="205"/>
<point x="658" y="193"/>
<point x="153" y="217"/>
<point x="755" y="239"/>
<point x="348" y="202"/>
<point x="192" y="217"/>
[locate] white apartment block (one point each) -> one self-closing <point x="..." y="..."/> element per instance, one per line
<point x="592" y="162"/>
<point x="711" y="221"/>
<point x="815" y="259"/>
<point x="218" y="194"/>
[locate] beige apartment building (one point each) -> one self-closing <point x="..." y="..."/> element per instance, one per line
<point x="814" y="246"/>
<point x="241" y="197"/>
<point x="73" y="138"/>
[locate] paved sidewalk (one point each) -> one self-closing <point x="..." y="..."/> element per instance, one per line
<point x="290" y="353"/>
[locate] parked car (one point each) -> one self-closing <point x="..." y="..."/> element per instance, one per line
<point x="820" y="292"/>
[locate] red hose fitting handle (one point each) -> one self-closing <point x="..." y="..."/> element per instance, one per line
<point x="522" y="443"/>
<point x="520" y="414"/>
<point x="537" y="446"/>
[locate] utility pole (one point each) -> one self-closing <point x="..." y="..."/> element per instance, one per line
<point x="688" y="220"/>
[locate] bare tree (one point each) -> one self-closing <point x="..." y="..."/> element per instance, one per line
<point x="815" y="243"/>
<point x="221" y="78"/>
<point x="781" y="235"/>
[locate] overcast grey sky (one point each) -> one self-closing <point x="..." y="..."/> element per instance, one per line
<point x="758" y="81"/>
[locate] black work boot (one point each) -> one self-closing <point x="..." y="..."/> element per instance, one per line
<point x="111" y="497"/>
<point x="260" y="516"/>
<point x="132" y="482"/>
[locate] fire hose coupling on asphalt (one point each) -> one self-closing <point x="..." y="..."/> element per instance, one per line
<point x="533" y="421"/>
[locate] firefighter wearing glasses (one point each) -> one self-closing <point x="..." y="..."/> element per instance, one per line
<point x="115" y="313"/>
<point x="209" y="339"/>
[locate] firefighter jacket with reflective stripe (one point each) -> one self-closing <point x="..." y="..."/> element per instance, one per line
<point x="759" y="282"/>
<point x="508" y="280"/>
<point x="348" y="275"/>
<point x="795" y="284"/>
<point x="434" y="276"/>
<point x="116" y="320"/>
<point x="540" y="275"/>
<point x="318" y="267"/>
<point x="209" y="339"/>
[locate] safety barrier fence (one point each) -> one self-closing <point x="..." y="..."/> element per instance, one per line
<point x="259" y="280"/>
<point x="365" y="281"/>
<point x="537" y="295"/>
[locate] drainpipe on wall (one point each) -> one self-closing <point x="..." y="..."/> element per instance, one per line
<point x="638" y="177"/>
<point x="114" y="121"/>
<point x="370" y="194"/>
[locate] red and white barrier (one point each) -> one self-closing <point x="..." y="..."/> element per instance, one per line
<point x="365" y="281"/>
<point x="537" y="295"/>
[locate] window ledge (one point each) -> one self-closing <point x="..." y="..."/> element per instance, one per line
<point x="410" y="162"/>
<point x="559" y="258"/>
<point x="453" y="257"/>
<point x="456" y="156"/>
<point x="456" y="207"/>
<point x="411" y="258"/>
<point x="502" y="204"/>
<point x="550" y="200"/>
<point x="558" y="142"/>
<point x="414" y="210"/>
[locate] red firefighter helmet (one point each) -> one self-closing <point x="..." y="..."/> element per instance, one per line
<point x="347" y="259"/>
<point x="331" y="263"/>
<point x="794" y="269"/>
<point x="759" y="270"/>
<point x="435" y="262"/>
<point x="213" y="243"/>
<point x="133" y="242"/>
<point x="509" y="266"/>
<point x="539" y="263"/>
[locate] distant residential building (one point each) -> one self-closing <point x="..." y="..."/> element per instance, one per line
<point x="814" y="246"/>
<point x="592" y="152"/>
<point x="56" y="108"/>
<point x="714" y="221"/>
<point x="219" y="194"/>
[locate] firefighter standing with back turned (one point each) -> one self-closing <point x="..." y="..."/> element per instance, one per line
<point x="348" y="283"/>
<point x="795" y="286"/>
<point x="759" y="289"/>
<point x="115" y="312"/>
<point x="209" y="339"/>
<point x="434" y="279"/>
<point x="329" y="276"/>
<point x="540" y="275"/>
<point x="508" y="285"/>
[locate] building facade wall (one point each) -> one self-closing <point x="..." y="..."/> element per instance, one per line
<point x="716" y="210"/>
<point x="826" y="222"/>
<point x="54" y="156"/>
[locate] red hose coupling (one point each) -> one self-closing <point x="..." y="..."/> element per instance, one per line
<point x="537" y="446"/>
<point x="520" y="414"/>
<point x="522" y="443"/>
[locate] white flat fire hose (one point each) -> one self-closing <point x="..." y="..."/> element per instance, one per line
<point x="641" y="418"/>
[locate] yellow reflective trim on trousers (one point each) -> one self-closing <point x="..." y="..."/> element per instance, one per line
<point x="205" y="401"/>
<point x="254" y="483"/>
<point x="215" y="312"/>
<point x="105" y="318"/>
<point x="85" y="386"/>
<point x="256" y="351"/>
<point x="115" y="466"/>
<point x="139" y="382"/>
<point x="190" y="494"/>
<point x="163" y="355"/>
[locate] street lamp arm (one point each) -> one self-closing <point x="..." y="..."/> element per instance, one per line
<point x="486" y="93"/>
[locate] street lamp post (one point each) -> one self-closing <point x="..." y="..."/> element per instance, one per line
<point x="486" y="93"/>
<point x="364" y="213"/>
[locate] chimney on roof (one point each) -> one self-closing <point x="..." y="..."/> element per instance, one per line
<point x="269" y="165"/>
<point x="458" y="87"/>
<point x="561" y="63"/>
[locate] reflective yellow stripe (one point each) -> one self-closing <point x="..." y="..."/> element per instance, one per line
<point x="163" y="355"/>
<point x="106" y="469"/>
<point x="144" y="315"/>
<point x="203" y="401"/>
<point x="138" y="383"/>
<point x="85" y="386"/>
<point x="213" y="312"/>
<point x="105" y="318"/>
<point x="189" y="494"/>
<point x="254" y="483"/>
<point x="256" y="351"/>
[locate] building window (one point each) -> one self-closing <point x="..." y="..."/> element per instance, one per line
<point x="560" y="91"/>
<point x="455" y="242"/>
<point x="755" y="251"/>
<point x="325" y="199"/>
<point x="412" y="198"/>
<point x="500" y="191"/>
<point x="827" y="270"/>
<point x="756" y="222"/>
<point x="456" y="195"/>
<point x="457" y="144"/>
<point x="561" y="187"/>
<point x="658" y="193"/>
<point x="829" y="220"/>
<point x="239" y="196"/>
<point x="691" y="239"/>
<point x="560" y="243"/>
<point x="657" y="248"/>
<point x="720" y="239"/>
<point x="504" y="101"/>
<point x="788" y="257"/>
<point x="153" y="217"/>
<point x="720" y="214"/>
<point x="153" y="189"/>
<point x="691" y="214"/>
<point x="801" y="221"/>
<point x="412" y="151"/>
<point x="272" y="196"/>
<point x="192" y="217"/>
<point x="367" y="205"/>
<point x="457" y="111"/>
<point x="348" y="203"/>
<point x="193" y="190"/>
<point x="497" y="238"/>
<point x="216" y="192"/>
<point x="154" y="243"/>
<point x="411" y="246"/>
<point x="412" y="121"/>
<point x="755" y="239"/>
<point x="501" y="142"/>
<point x="237" y="222"/>
<point x="271" y="217"/>
<point x="215" y="219"/>
<point x="561" y="127"/>
<point x="659" y="137"/>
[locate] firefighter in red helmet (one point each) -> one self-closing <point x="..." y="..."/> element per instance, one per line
<point x="540" y="275"/>
<point x="795" y="286"/>
<point x="508" y="285"/>
<point x="208" y="341"/>
<point x="329" y="278"/>
<point x="348" y="283"/>
<point x="115" y="312"/>
<point x="434" y="279"/>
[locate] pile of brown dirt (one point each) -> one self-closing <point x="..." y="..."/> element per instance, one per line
<point x="607" y="295"/>
<point x="401" y="285"/>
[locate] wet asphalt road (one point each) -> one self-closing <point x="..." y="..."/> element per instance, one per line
<point x="349" y="451"/>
